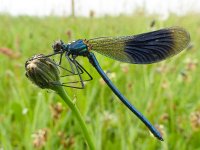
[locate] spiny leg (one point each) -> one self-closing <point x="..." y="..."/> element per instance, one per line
<point x="59" y="65"/>
<point x="79" y="74"/>
<point x="84" y="70"/>
<point x="71" y="72"/>
<point x="80" y="68"/>
<point x="73" y="68"/>
<point x="76" y="69"/>
<point x="70" y="63"/>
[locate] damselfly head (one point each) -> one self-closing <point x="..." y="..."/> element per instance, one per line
<point x="58" y="46"/>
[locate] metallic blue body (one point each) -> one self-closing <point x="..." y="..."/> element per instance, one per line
<point x="144" y="48"/>
<point x="78" y="48"/>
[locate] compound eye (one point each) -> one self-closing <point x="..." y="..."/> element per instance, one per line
<point x="57" y="46"/>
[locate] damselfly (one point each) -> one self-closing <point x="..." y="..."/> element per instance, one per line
<point x="144" y="48"/>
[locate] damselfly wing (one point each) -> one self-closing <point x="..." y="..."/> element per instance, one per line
<point x="143" y="48"/>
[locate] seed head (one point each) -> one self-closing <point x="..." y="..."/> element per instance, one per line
<point x="42" y="71"/>
<point x="195" y="120"/>
<point x="40" y="138"/>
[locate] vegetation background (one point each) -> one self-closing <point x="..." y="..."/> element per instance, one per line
<point x="167" y="93"/>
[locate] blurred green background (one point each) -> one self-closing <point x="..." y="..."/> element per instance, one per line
<point x="167" y="93"/>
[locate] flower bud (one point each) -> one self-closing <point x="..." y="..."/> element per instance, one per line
<point x="42" y="71"/>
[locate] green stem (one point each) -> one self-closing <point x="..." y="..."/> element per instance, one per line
<point x="60" y="90"/>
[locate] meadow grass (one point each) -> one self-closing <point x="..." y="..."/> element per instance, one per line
<point x="167" y="93"/>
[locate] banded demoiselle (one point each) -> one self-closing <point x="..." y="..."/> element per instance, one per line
<point x="144" y="48"/>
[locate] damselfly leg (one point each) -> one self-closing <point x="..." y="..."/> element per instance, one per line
<point x="71" y="68"/>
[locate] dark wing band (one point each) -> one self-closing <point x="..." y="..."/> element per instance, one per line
<point x="143" y="48"/>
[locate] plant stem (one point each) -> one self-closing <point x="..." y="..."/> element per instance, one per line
<point x="62" y="93"/>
